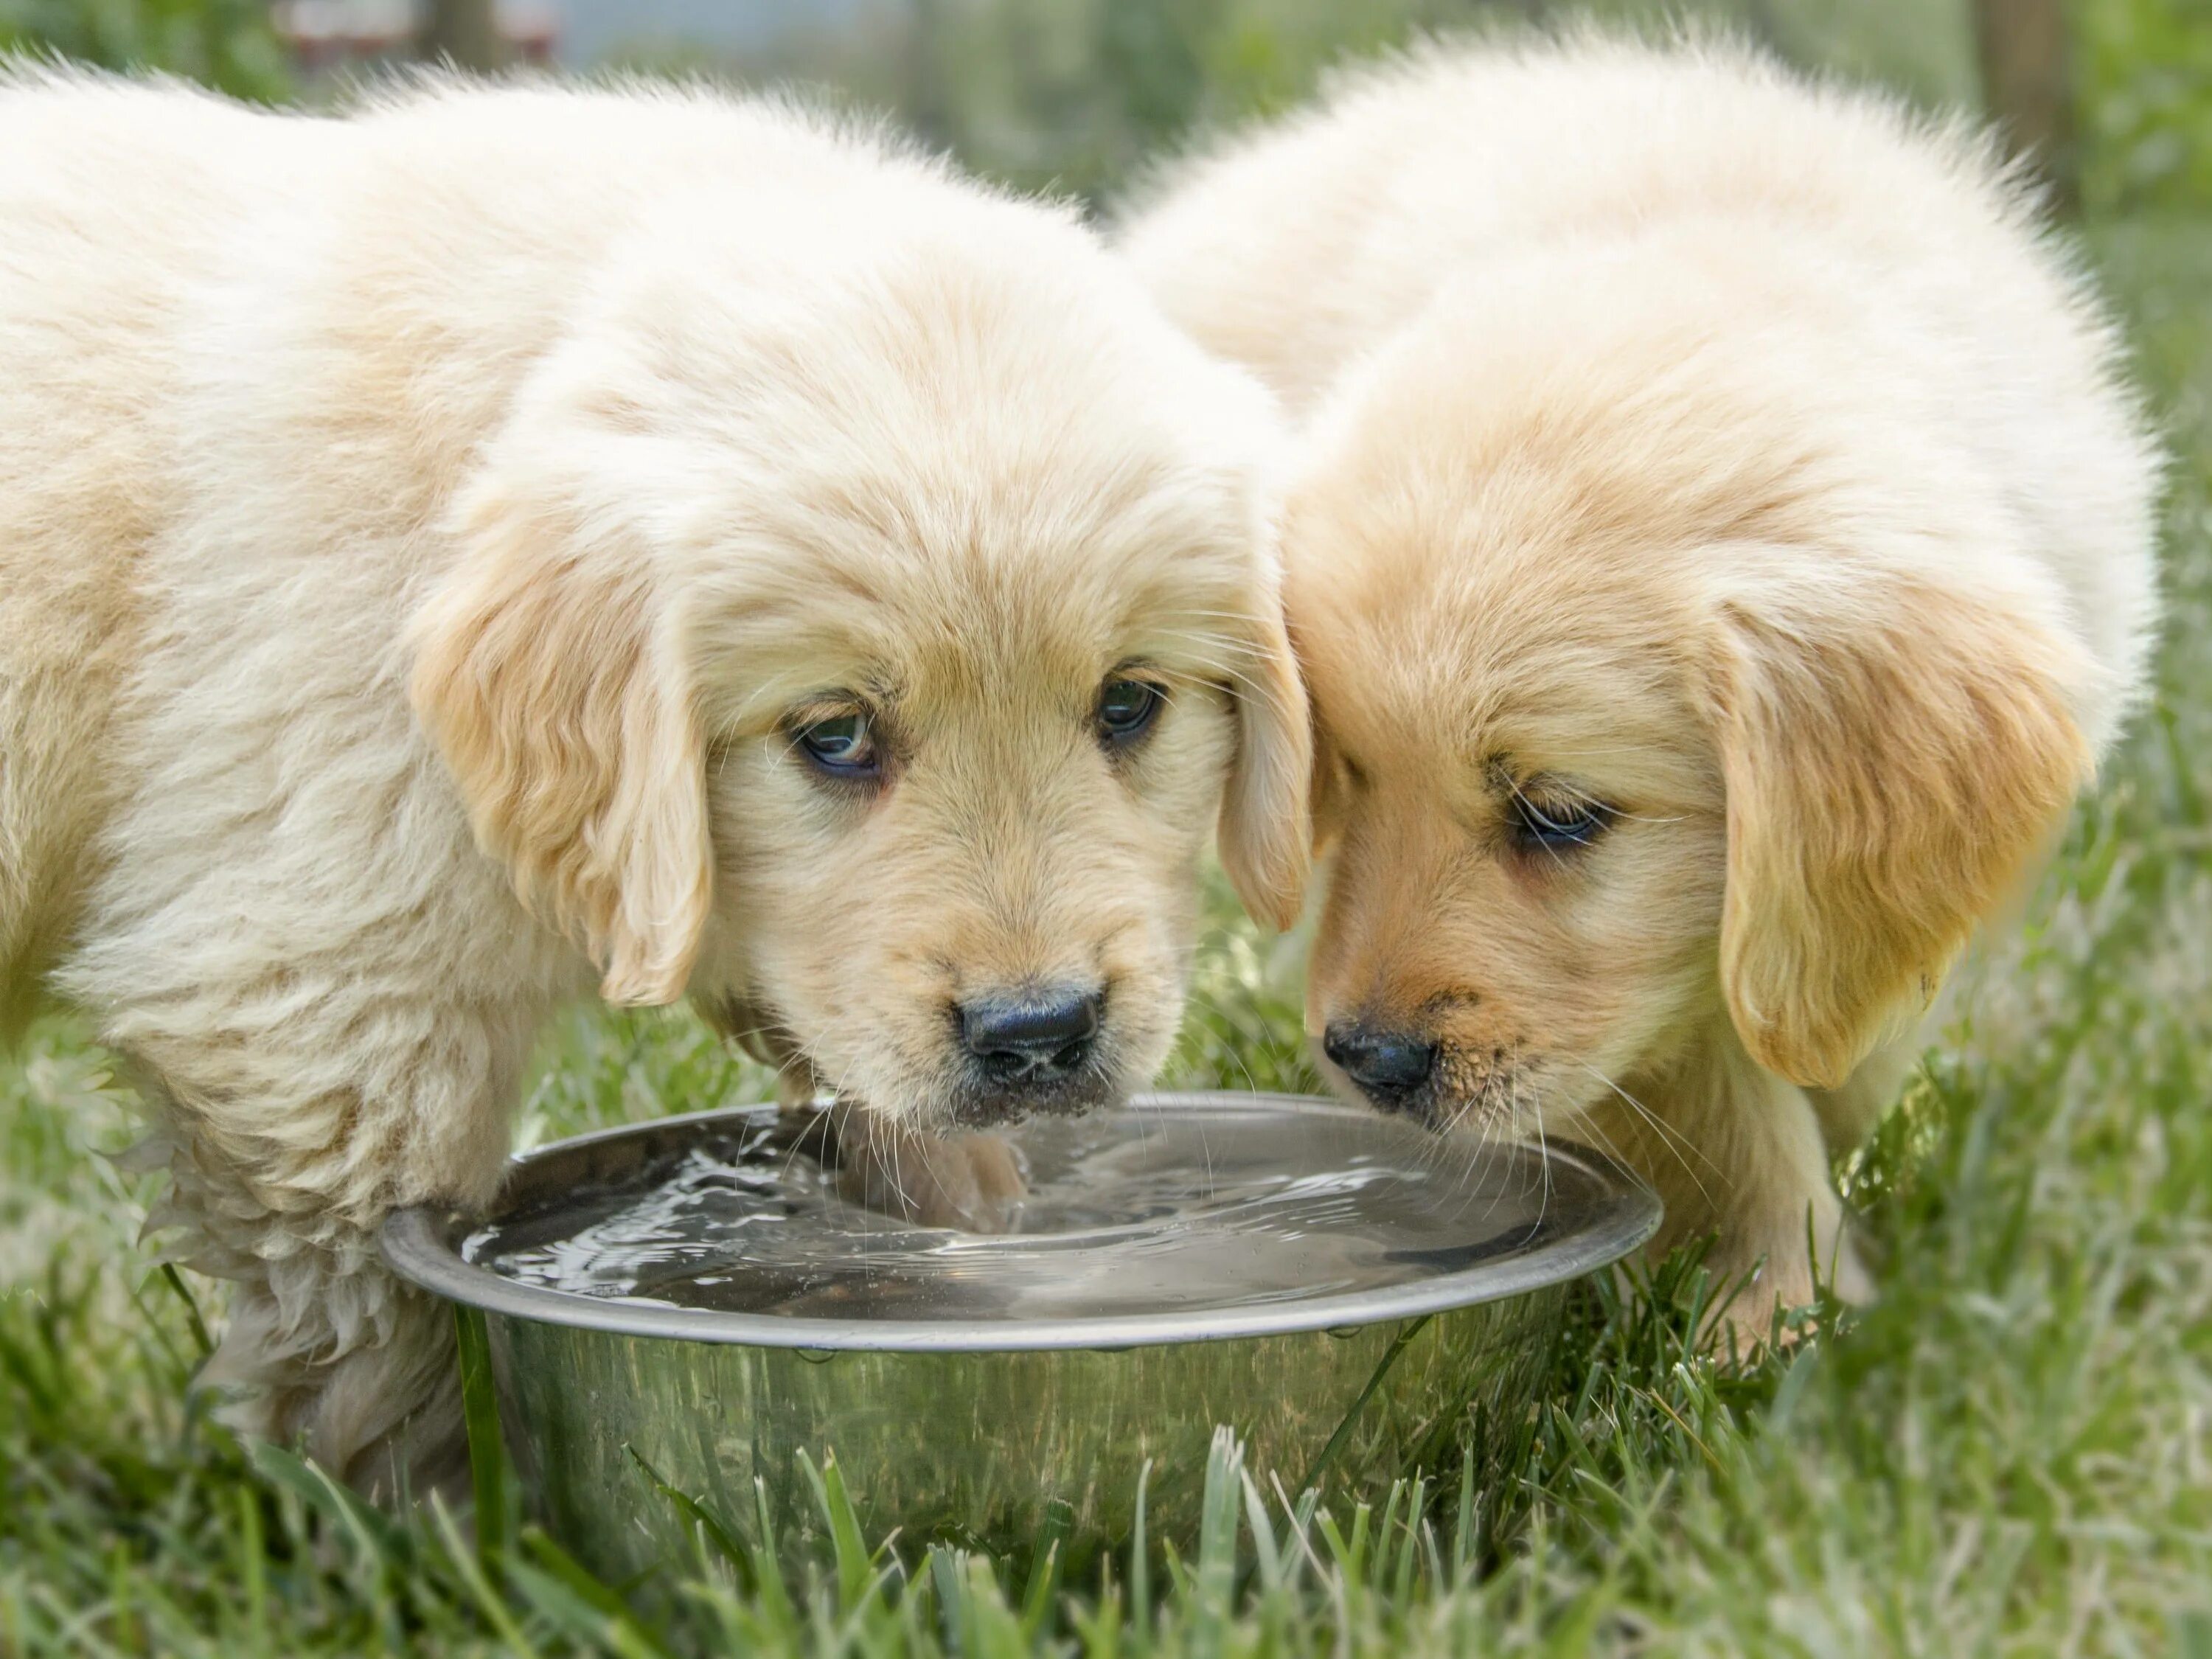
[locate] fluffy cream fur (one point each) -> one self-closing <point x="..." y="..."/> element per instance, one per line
<point x="419" y="532"/>
<point x="1737" y="454"/>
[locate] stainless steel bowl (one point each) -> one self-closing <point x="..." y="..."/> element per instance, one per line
<point x="992" y="1427"/>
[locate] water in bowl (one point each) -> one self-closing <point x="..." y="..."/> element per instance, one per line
<point x="1130" y="1212"/>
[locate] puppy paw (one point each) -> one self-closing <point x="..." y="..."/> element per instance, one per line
<point x="973" y="1182"/>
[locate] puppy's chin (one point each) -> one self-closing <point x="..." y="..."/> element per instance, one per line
<point x="968" y="1098"/>
<point x="960" y="1096"/>
<point x="978" y="1104"/>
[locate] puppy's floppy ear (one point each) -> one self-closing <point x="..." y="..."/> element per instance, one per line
<point x="541" y="673"/>
<point x="1267" y="826"/>
<point x="1895" y="756"/>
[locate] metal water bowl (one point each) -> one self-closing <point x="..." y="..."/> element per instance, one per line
<point x="1349" y="1293"/>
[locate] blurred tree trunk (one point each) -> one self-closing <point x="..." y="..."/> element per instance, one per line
<point x="2027" y="83"/>
<point x="466" y="32"/>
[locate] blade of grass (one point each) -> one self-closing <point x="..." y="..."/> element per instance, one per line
<point x="706" y="1529"/>
<point x="489" y="1473"/>
<point x="1406" y="1332"/>
<point x="548" y="1561"/>
<point x="558" y="1600"/>
<point x="175" y="1282"/>
<point x="469" y="1563"/>
<point x="1140" y="1560"/>
<point x="855" y="1567"/>
<point x="379" y="1540"/>
<point x="253" y="1568"/>
<point x="1048" y="1555"/>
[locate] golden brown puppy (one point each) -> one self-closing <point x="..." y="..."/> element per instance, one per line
<point x="503" y="542"/>
<point x="1722" y="549"/>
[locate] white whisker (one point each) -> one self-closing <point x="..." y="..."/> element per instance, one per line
<point x="1671" y="1139"/>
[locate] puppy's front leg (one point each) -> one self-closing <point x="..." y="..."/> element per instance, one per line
<point x="288" y="1140"/>
<point x="1742" y="1158"/>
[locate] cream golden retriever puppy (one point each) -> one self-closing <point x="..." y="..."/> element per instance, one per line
<point x="1723" y="548"/>
<point x="504" y="541"/>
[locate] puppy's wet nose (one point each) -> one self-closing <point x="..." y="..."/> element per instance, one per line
<point x="1388" y="1064"/>
<point x="1033" y="1035"/>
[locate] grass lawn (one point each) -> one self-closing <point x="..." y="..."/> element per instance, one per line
<point x="2011" y="1452"/>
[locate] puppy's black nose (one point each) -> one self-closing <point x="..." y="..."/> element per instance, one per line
<point x="1031" y="1037"/>
<point x="1388" y="1064"/>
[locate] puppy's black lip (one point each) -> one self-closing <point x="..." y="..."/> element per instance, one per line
<point x="1421" y="1106"/>
<point x="1424" y="1105"/>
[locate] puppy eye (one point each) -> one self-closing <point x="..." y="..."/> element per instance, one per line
<point x="1126" y="710"/>
<point x="841" y="745"/>
<point x="1542" y="824"/>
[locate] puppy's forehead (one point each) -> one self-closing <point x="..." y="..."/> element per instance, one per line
<point x="1422" y="632"/>
<point x="963" y="474"/>
<point x="1004" y="625"/>
<point x="1016" y="584"/>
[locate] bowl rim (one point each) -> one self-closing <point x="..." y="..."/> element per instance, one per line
<point x="413" y="1243"/>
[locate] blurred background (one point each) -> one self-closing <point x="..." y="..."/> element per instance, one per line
<point x="2114" y="97"/>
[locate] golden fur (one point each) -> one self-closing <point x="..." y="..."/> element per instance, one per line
<point x="420" y="533"/>
<point x="1737" y="455"/>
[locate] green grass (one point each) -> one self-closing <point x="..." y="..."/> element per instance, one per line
<point x="2011" y="1452"/>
